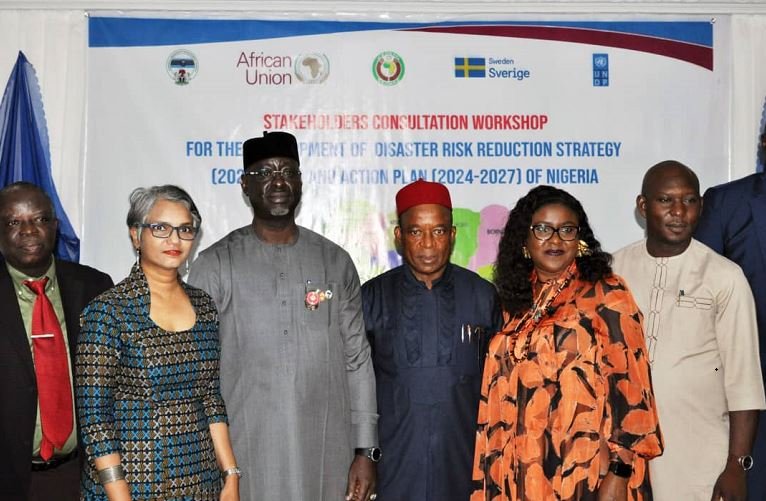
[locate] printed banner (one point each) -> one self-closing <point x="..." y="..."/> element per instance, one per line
<point x="491" y="108"/>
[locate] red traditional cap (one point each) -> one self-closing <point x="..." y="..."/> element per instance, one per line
<point x="422" y="192"/>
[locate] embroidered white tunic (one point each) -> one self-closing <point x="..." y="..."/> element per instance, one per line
<point x="699" y="322"/>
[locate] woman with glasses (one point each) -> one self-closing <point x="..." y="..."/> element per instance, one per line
<point x="567" y="409"/>
<point x="151" y="416"/>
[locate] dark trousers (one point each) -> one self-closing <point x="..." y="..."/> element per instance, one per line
<point x="756" y="477"/>
<point x="60" y="484"/>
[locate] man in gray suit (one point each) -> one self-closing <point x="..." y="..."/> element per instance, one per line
<point x="296" y="372"/>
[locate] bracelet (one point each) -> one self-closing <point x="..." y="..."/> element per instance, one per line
<point x="231" y="471"/>
<point x="111" y="474"/>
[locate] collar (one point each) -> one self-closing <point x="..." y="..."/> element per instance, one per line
<point x="18" y="277"/>
<point x="412" y="280"/>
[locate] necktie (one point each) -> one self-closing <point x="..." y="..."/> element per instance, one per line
<point x="52" y="370"/>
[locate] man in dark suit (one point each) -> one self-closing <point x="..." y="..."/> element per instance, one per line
<point x="39" y="456"/>
<point x="733" y="223"/>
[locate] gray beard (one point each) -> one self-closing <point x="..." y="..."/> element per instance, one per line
<point x="280" y="211"/>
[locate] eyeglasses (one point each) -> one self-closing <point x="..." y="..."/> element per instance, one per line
<point x="544" y="232"/>
<point x="267" y="173"/>
<point x="164" y="230"/>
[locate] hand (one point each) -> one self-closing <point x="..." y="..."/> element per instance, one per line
<point x="613" y="488"/>
<point x="362" y="479"/>
<point x="731" y="484"/>
<point x="230" y="491"/>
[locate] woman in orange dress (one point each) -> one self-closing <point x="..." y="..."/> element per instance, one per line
<point x="567" y="410"/>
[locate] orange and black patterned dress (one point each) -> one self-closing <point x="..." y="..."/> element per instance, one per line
<point x="550" y="418"/>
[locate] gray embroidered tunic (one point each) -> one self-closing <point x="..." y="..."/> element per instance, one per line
<point x="298" y="382"/>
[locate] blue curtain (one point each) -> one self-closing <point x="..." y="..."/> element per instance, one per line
<point x="25" y="150"/>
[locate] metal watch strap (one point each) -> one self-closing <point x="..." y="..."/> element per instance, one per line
<point x="234" y="470"/>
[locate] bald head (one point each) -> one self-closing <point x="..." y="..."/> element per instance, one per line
<point x="24" y="189"/>
<point x="660" y="173"/>
<point x="671" y="204"/>
<point x="27" y="228"/>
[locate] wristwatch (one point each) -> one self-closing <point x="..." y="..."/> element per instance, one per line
<point x="621" y="469"/>
<point x="746" y="462"/>
<point x="372" y="453"/>
<point x="234" y="470"/>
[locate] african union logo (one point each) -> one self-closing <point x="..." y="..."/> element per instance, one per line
<point x="470" y="67"/>
<point x="388" y="68"/>
<point x="312" y="68"/>
<point x="182" y="66"/>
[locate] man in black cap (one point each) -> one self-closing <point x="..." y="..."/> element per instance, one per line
<point x="296" y="372"/>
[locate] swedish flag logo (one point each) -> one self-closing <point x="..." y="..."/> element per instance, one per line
<point x="470" y="67"/>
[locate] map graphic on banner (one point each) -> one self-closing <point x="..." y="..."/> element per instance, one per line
<point x="488" y="107"/>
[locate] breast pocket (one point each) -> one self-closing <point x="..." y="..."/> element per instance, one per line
<point x="317" y="302"/>
<point x="692" y="316"/>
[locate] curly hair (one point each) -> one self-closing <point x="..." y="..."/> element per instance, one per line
<point x="512" y="269"/>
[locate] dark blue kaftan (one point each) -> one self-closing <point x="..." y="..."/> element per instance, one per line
<point x="428" y="371"/>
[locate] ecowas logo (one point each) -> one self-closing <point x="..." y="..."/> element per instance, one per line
<point x="182" y="66"/>
<point x="388" y="68"/>
<point x="278" y="70"/>
<point x="490" y="67"/>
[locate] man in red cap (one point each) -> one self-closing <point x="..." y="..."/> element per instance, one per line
<point x="427" y="322"/>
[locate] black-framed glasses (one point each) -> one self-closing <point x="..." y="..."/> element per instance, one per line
<point x="543" y="232"/>
<point x="267" y="173"/>
<point x="164" y="230"/>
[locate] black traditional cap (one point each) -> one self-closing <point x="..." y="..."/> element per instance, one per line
<point x="272" y="144"/>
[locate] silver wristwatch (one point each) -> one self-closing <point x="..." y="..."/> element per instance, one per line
<point x="234" y="470"/>
<point x="372" y="453"/>
<point x="746" y="462"/>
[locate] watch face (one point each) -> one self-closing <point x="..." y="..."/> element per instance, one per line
<point x="746" y="462"/>
<point x="376" y="454"/>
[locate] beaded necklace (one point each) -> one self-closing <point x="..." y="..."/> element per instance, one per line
<point x="539" y="309"/>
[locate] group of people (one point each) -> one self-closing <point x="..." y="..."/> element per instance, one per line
<point x="274" y="374"/>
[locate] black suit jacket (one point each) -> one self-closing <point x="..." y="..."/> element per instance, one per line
<point x="78" y="284"/>
<point x="733" y="223"/>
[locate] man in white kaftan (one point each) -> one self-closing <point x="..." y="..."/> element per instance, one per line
<point x="699" y="322"/>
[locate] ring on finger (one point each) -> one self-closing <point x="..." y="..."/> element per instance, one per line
<point x="373" y="496"/>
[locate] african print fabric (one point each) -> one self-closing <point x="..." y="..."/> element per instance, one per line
<point x="551" y="418"/>
<point x="149" y="394"/>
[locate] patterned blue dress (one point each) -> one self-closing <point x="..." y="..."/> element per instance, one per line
<point x="149" y="395"/>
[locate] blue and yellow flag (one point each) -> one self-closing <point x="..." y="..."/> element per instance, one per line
<point x="470" y="67"/>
